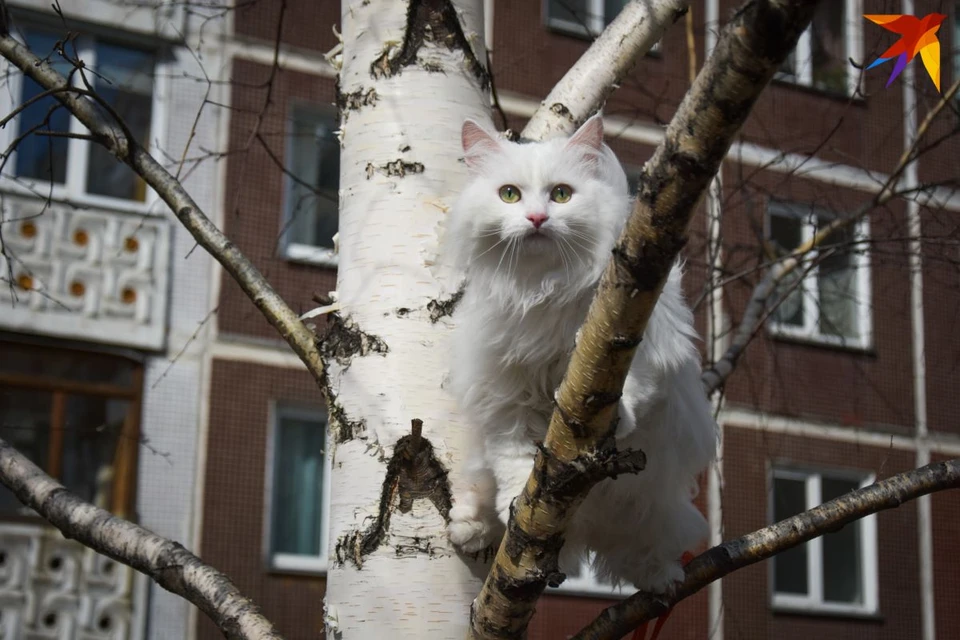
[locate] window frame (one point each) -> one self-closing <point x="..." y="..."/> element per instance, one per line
<point x="813" y="602"/>
<point x="596" y="21"/>
<point x="123" y="493"/>
<point x="298" y="251"/>
<point x="73" y="190"/>
<point x="292" y="562"/>
<point x="803" y="59"/>
<point x="808" y="288"/>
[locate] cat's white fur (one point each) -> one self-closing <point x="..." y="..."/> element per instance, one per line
<point x="527" y="293"/>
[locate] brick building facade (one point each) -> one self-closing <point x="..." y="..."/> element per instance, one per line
<point x="853" y="378"/>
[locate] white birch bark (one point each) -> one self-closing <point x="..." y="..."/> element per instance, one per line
<point x="599" y="71"/>
<point x="400" y="169"/>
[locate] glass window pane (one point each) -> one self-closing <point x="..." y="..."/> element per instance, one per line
<point x="837" y="284"/>
<point x="786" y="233"/>
<point x="828" y="47"/>
<point x="125" y="80"/>
<point x="297" y="486"/>
<point x="611" y="9"/>
<point x="789" y="567"/>
<point x="91" y="435"/>
<point x="573" y="11"/>
<point x="42" y="157"/>
<point x="25" y="424"/>
<point x="313" y="199"/>
<point x="842" y="571"/>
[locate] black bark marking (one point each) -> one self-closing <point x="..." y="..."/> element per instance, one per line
<point x="394" y="169"/>
<point x="343" y="341"/>
<point x="413" y="473"/>
<point x="445" y="308"/>
<point x="356" y="99"/>
<point x="342" y="428"/>
<point x="434" y="22"/>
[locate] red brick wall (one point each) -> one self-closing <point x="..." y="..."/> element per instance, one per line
<point x="234" y="507"/>
<point x="746" y="597"/>
<point x="254" y="204"/>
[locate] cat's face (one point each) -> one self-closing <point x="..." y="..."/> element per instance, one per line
<point x="540" y="206"/>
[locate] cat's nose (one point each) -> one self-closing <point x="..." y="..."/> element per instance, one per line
<point x="537" y="219"/>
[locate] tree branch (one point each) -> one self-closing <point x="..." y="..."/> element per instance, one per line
<point x="757" y="309"/>
<point x="167" y="562"/>
<point x="116" y="138"/>
<point x="749" y="51"/>
<point x="715" y="563"/>
<point x="585" y="87"/>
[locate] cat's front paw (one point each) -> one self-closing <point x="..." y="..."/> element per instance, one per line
<point x="469" y="531"/>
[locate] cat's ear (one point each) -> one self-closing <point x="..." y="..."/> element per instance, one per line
<point x="478" y="143"/>
<point x="588" y="140"/>
<point x="590" y="134"/>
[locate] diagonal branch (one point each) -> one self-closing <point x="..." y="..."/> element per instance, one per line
<point x="757" y="309"/>
<point x="581" y="91"/>
<point x="724" y="559"/>
<point x="749" y="51"/>
<point x="110" y="131"/>
<point x="167" y="562"/>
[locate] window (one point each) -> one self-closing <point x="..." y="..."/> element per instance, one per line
<point x="833" y="573"/>
<point x="584" y="17"/>
<point x="123" y="76"/>
<point x="76" y="415"/>
<point x="298" y="491"/>
<point x="827" y="297"/>
<point x="311" y="198"/>
<point x="823" y="53"/>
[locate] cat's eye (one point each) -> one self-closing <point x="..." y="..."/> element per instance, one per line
<point x="509" y="194"/>
<point x="561" y="193"/>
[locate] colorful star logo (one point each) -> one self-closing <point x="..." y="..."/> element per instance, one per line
<point x="918" y="35"/>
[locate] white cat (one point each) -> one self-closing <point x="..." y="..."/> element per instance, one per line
<point x="533" y="230"/>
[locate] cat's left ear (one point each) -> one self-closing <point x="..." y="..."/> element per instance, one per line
<point x="590" y="133"/>
<point x="589" y="138"/>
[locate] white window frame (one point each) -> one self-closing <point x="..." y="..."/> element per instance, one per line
<point x="73" y="190"/>
<point x="299" y="251"/>
<point x="813" y="602"/>
<point x="594" y="22"/>
<point x="808" y="289"/>
<point x="292" y="562"/>
<point x="853" y="38"/>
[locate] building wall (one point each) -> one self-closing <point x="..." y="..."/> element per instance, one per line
<point x="846" y="392"/>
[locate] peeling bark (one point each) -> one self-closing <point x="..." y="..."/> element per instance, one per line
<point x="429" y="21"/>
<point x="443" y="308"/>
<point x="395" y="168"/>
<point x="343" y="341"/>
<point x="749" y="51"/>
<point x="413" y="473"/>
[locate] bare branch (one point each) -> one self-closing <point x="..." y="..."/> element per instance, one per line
<point x="757" y="309"/>
<point x="749" y="51"/>
<point x="732" y="555"/>
<point x="165" y="561"/>
<point x="114" y="135"/>
<point x="600" y="70"/>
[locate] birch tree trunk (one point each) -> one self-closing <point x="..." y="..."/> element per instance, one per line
<point x="410" y="73"/>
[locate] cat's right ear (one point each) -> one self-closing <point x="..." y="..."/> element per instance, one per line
<point x="478" y="143"/>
